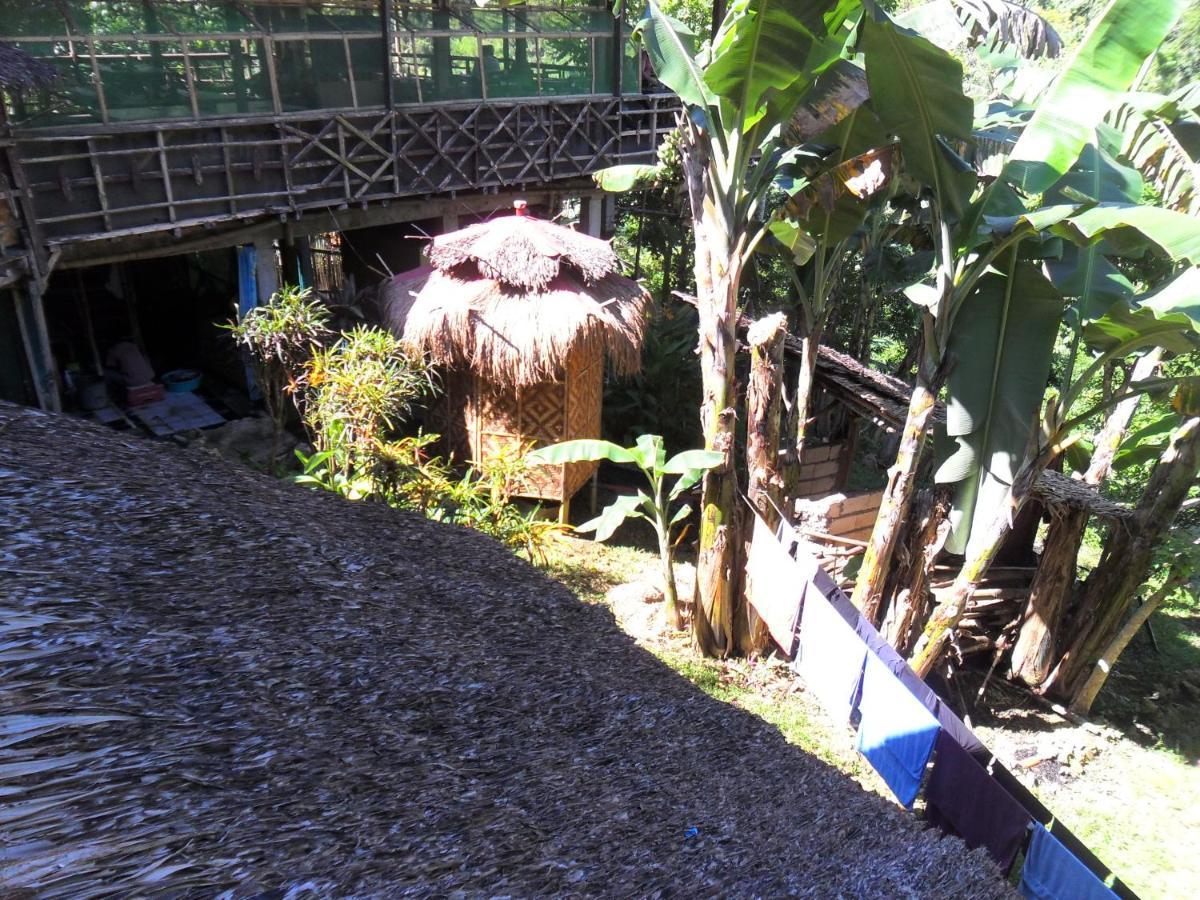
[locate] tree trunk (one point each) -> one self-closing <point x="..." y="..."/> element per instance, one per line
<point x="1033" y="655"/>
<point x="908" y="608"/>
<point x="1128" y="555"/>
<point x="718" y="273"/>
<point x="897" y="498"/>
<point x="764" y="398"/>
<point x="764" y="487"/>
<point x="805" y="379"/>
<point x="936" y="636"/>
<point x="1081" y="705"/>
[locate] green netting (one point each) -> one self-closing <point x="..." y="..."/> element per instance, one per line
<point x="181" y="58"/>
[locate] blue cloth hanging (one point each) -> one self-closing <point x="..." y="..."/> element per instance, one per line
<point x="896" y="733"/>
<point x="830" y="656"/>
<point x="1052" y="872"/>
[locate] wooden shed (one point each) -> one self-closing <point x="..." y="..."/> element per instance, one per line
<point x="522" y="315"/>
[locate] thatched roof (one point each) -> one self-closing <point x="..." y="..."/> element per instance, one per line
<point x="876" y="395"/>
<point x="214" y="681"/>
<point x="19" y="70"/>
<point x="1057" y="491"/>
<point x="513" y="297"/>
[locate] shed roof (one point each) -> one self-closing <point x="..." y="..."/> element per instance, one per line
<point x="214" y="681"/>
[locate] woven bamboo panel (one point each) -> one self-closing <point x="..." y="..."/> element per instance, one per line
<point x="479" y="421"/>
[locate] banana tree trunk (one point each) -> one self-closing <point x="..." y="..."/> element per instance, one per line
<point x="1090" y="689"/>
<point x="908" y="607"/>
<point x="764" y="399"/>
<point x="1125" y="563"/>
<point x="810" y="342"/>
<point x="764" y="481"/>
<point x="897" y="498"/>
<point x="718" y="274"/>
<point x="950" y="608"/>
<point x="1033" y="655"/>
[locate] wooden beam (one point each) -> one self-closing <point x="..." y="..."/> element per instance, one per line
<point x="31" y="320"/>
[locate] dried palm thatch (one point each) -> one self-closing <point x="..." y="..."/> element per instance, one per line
<point x="522" y="252"/>
<point x="216" y="684"/>
<point x="1058" y="492"/>
<point x="511" y="337"/>
<point x="510" y="299"/>
<point x="20" y="71"/>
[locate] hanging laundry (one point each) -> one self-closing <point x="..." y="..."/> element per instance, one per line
<point x="1052" y="872"/>
<point x="831" y="656"/>
<point x="889" y="657"/>
<point x="775" y="585"/>
<point x="964" y="800"/>
<point x="896" y="733"/>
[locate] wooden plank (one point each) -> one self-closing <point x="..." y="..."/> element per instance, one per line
<point x="166" y="173"/>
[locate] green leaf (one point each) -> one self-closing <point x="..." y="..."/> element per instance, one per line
<point x="1001" y="347"/>
<point x="580" y="451"/>
<point x="692" y="460"/>
<point x="1175" y="233"/>
<point x="916" y="90"/>
<point x="1102" y="67"/>
<point x="794" y="239"/>
<point x="773" y="51"/>
<point x="1084" y="274"/>
<point x="619" y="179"/>
<point x="650" y="452"/>
<point x="671" y="46"/>
<point x="1097" y="175"/>
<point x="1168" y="317"/>
<point x="614" y="514"/>
<point x="680" y="514"/>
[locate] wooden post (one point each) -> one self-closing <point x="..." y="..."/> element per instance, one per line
<point x="617" y="52"/>
<point x="31" y="319"/>
<point x="389" y="38"/>
<point x="591" y="215"/>
<point x="266" y="276"/>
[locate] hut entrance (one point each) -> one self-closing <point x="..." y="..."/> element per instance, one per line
<point x="522" y="314"/>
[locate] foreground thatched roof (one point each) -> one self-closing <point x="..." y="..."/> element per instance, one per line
<point x="213" y="681"/>
<point x="512" y="298"/>
<point x="19" y="70"/>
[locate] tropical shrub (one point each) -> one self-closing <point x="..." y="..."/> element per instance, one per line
<point x="649" y="455"/>
<point x="281" y="336"/>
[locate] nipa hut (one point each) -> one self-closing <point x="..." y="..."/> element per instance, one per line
<point x="521" y="314"/>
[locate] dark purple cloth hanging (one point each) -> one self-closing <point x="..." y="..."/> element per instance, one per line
<point x="962" y="799"/>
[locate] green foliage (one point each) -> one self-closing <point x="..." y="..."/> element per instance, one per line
<point x="665" y="394"/>
<point x="403" y="474"/>
<point x="1000" y="354"/>
<point x="280" y="337"/>
<point x="356" y="390"/>
<point x="649" y="455"/>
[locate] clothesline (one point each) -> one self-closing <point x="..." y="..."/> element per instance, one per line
<point x="901" y="724"/>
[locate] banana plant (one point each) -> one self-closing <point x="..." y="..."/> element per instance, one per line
<point x="748" y="98"/>
<point x="649" y="455"/>
<point x="918" y="96"/>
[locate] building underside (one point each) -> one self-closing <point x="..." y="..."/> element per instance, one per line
<point x="184" y="158"/>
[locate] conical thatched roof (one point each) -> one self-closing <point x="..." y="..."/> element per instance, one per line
<point x="20" y="70"/>
<point x="216" y="682"/>
<point x="511" y="298"/>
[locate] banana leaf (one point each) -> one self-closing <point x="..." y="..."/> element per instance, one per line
<point x="1000" y="348"/>
<point x="916" y="90"/>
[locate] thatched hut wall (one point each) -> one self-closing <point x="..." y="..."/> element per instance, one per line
<point x="479" y="420"/>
